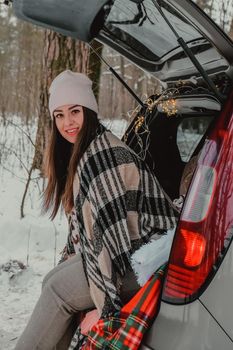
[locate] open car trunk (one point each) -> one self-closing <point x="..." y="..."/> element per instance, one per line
<point x="137" y="29"/>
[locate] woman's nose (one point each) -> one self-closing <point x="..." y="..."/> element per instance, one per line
<point x="68" y="120"/>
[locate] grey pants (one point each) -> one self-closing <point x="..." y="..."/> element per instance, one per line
<point x="64" y="294"/>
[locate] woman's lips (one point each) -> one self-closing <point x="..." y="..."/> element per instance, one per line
<point x="72" y="132"/>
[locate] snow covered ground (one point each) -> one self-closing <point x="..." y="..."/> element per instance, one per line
<point x="35" y="242"/>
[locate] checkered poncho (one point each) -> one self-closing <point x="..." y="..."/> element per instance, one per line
<point x="119" y="205"/>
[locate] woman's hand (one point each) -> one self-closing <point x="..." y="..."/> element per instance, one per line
<point x="89" y="321"/>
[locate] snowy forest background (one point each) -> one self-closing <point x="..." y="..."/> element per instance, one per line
<point x="29" y="59"/>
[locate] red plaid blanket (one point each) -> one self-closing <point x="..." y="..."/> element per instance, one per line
<point x="125" y="330"/>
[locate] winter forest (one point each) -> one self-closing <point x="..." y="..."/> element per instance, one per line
<point x="30" y="58"/>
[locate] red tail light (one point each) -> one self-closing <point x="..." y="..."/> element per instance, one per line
<point x="205" y="229"/>
<point x="195" y="245"/>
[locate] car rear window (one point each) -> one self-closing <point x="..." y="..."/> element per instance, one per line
<point x="139" y="25"/>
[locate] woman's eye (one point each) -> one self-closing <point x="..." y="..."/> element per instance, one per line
<point x="75" y="111"/>
<point x="59" y="115"/>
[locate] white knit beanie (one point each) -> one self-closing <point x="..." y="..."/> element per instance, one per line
<point x="71" y="88"/>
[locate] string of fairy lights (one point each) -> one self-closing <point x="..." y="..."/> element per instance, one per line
<point x="140" y="127"/>
<point x="166" y="102"/>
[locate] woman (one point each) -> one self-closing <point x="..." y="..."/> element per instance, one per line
<point x="114" y="205"/>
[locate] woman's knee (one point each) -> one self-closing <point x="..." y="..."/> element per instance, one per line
<point x="59" y="267"/>
<point x="51" y="273"/>
<point x="45" y="279"/>
<point x="48" y="276"/>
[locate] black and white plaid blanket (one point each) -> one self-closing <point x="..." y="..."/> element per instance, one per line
<point x="119" y="205"/>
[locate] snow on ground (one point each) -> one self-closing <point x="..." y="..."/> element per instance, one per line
<point x="33" y="241"/>
<point x="20" y="292"/>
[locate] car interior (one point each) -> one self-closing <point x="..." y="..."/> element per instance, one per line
<point x="167" y="139"/>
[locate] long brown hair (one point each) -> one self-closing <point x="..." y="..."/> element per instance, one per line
<point x="61" y="163"/>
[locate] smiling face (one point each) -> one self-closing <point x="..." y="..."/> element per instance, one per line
<point x="69" y="121"/>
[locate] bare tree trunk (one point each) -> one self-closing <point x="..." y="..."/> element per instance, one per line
<point x="60" y="53"/>
<point x="225" y="17"/>
<point x="94" y="67"/>
<point x="25" y="193"/>
<point x="231" y="30"/>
